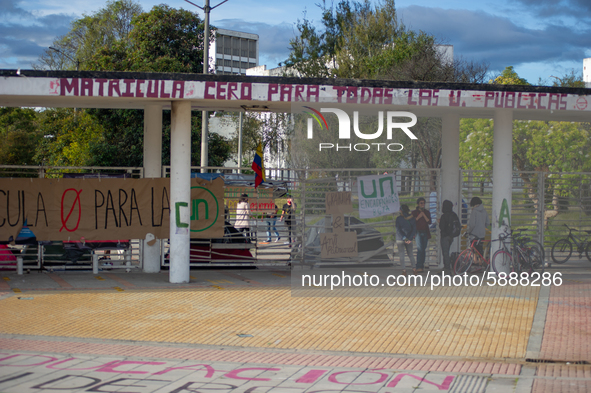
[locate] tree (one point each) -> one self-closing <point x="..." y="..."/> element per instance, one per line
<point x="120" y="37"/>
<point x="537" y="146"/>
<point x="68" y="137"/>
<point x="109" y="26"/>
<point x="162" y="40"/>
<point x="20" y="136"/>
<point x="509" y="77"/>
<point x="361" y="40"/>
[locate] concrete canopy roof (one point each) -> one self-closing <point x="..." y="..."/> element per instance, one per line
<point x="131" y="90"/>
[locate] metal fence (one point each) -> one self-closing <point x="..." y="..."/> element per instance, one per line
<point x="375" y="236"/>
<point x="542" y="203"/>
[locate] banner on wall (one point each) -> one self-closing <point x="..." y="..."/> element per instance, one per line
<point x="104" y="209"/>
<point x="378" y="196"/>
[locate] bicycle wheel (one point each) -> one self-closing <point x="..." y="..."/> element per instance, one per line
<point x="562" y="250"/>
<point x="502" y="262"/>
<point x="535" y="251"/>
<point x="588" y="251"/>
<point x="464" y="261"/>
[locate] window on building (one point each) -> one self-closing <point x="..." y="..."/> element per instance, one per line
<point x="252" y="49"/>
<point x="227" y="45"/>
<point x="244" y="47"/>
<point x="235" y="46"/>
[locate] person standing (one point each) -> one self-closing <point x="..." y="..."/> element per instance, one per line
<point x="423" y="219"/>
<point x="271" y="219"/>
<point x="478" y="222"/>
<point x="446" y="231"/>
<point x="288" y="215"/>
<point x="405" y="233"/>
<point x="243" y="216"/>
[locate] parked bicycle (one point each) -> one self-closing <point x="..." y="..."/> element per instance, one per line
<point x="563" y="248"/>
<point x="524" y="256"/>
<point x="471" y="259"/>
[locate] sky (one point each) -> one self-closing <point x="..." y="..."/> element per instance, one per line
<point x="541" y="39"/>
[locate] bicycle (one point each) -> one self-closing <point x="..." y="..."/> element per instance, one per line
<point x="525" y="256"/>
<point x="530" y="253"/>
<point x="563" y="248"/>
<point x="471" y="257"/>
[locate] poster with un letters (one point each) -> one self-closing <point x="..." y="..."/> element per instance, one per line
<point x="378" y="196"/>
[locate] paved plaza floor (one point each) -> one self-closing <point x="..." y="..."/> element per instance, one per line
<point x="247" y="330"/>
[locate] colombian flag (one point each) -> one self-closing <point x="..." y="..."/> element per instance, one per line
<point x="258" y="166"/>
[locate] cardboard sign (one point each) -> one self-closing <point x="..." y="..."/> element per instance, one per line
<point x="337" y="223"/>
<point x="338" y="202"/>
<point x="338" y="245"/>
<point x="378" y="196"/>
<point x="102" y="209"/>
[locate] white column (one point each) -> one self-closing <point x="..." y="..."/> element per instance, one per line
<point x="450" y="160"/>
<point x="152" y="169"/>
<point x="502" y="172"/>
<point x="450" y="166"/>
<point x="180" y="191"/>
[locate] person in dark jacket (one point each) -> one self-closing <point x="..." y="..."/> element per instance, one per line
<point x="406" y="229"/>
<point x="423" y="219"/>
<point x="446" y="229"/>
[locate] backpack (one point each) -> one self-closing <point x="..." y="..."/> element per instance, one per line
<point x="455" y="226"/>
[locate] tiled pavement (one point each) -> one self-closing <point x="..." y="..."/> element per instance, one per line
<point x="363" y="344"/>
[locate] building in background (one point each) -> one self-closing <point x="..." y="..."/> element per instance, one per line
<point x="233" y="52"/>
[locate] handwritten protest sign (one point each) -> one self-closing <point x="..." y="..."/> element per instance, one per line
<point x="378" y="196"/>
<point x="102" y="209"/>
<point x="338" y="245"/>
<point x="259" y="199"/>
<point x="338" y="202"/>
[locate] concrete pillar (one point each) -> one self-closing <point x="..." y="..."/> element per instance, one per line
<point x="502" y="174"/>
<point x="450" y="166"/>
<point x="450" y="160"/>
<point x="152" y="169"/>
<point x="180" y="191"/>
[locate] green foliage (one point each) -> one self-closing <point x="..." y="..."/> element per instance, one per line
<point x="122" y="143"/>
<point x="20" y="136"/>
<point x="509" y="77"/>
<point x="110" y="26"/>
<point x="121" y="37"/>
<point x="123" y="139"/>
<point x="162" y="40"/>
<point x="570" y="79"/>
<point x="363" y="40"/>
<point x="68" y="137"/>
<point x="476" y="141"/>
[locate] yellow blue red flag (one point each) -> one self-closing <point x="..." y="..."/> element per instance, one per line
<point x="258" y="166"/>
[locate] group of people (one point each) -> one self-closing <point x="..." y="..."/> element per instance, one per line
<point x="415" y="226"/>
<point x="243" y="217"/>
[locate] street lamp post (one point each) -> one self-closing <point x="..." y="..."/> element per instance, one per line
<point x="68" y="56"/>
<point x="204" y="126"/>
